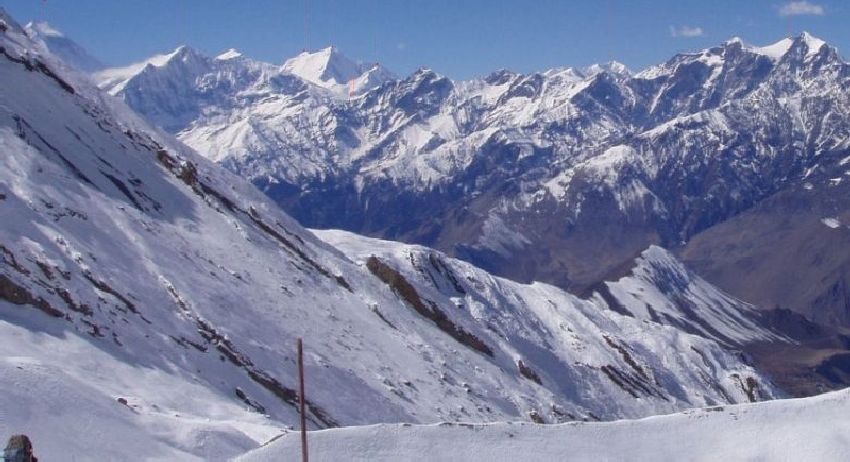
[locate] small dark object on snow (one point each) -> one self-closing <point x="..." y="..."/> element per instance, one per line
<point x="19" y="449"/>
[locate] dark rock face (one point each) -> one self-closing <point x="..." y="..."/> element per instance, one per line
<point x="788" y="252"/>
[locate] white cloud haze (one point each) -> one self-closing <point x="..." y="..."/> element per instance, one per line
<point x="800" y="8"/>
<point x="686" y="31"/>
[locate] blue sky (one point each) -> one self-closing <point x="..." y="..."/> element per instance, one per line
<point x="461" y="39"/>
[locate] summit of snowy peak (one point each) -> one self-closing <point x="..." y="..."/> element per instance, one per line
<point x="781" y="48"/>
<point x="329" y="68"/>
<point x="564" y="74"/>
<point x="813" y="44"/>
<point x="612" y="67"/>
<point x="42" y="28"/>
<point x="811" y="39"/>
<point x="62" y="47"/>
<point x="182" y="52"/>
<point x="774" y="51"/>
<point x="231" y="53"/>
<point x="425" y="72"/>
<point x="113" y="80"/>
<point x="500" y="77"/>
<point x="325" y="66"/>
<point x="374" y="77"/>
<point x="657" y="256"/>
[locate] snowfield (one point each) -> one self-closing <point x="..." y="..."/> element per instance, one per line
<point x="808" y="429"/>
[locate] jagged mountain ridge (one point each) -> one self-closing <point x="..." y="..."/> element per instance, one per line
<point x="164" y="294"/>
<point x="68" y="50"/>
<point x="534" y="176"/>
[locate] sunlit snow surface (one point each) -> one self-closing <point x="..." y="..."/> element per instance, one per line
<point x="809" y="429"/>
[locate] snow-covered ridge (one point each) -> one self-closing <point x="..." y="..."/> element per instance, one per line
<point x="114" y="80"/>
<point x="539" y="310"/>
<point x="70" y="52"/>
<point x="42" y="29"/>
<point x="779" y="49"/>
<point x="800" y="429"/>
<point x="330" y="69"/>
<point x="326" y="68"/>
<point x="661" y="289"/>
<point x="231" y="53"/>
<point x="559" y="109"/>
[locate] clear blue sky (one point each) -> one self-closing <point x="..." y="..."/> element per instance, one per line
<point x="461" y="39"/>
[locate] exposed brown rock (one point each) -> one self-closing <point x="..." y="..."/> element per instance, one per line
<point x="408" y="293"/>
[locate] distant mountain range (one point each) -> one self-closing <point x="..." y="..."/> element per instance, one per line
<point x="561" y="176"/>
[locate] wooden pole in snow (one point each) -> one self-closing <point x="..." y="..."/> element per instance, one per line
<point x="301" y="401"/>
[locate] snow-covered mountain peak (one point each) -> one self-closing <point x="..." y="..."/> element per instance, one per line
<point x="778" y="50"/>
<point x="325" y="66"/>
<point x="182" y="53"/>
<point x="63" y="47"/>
<point x="231" y="53"/>
<point x="612" y="67"/>
<point x="774" y="51"/>
<point x="329" y="68"/>
<point x="813" y="43"/>
<point x="114" y="80"/>
<point x="562" y="71"/>
<point x="42" y="28"/>
<point x="500" y="77"/>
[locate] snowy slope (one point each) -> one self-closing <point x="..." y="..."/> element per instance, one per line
<point x="661" y="289"/>
<point x="71" y="395"/>
<point x="164" y="294"/>
<point x="563" y="340"/>
<point x="786" y="430"/>
<point x="69" y="51"/>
